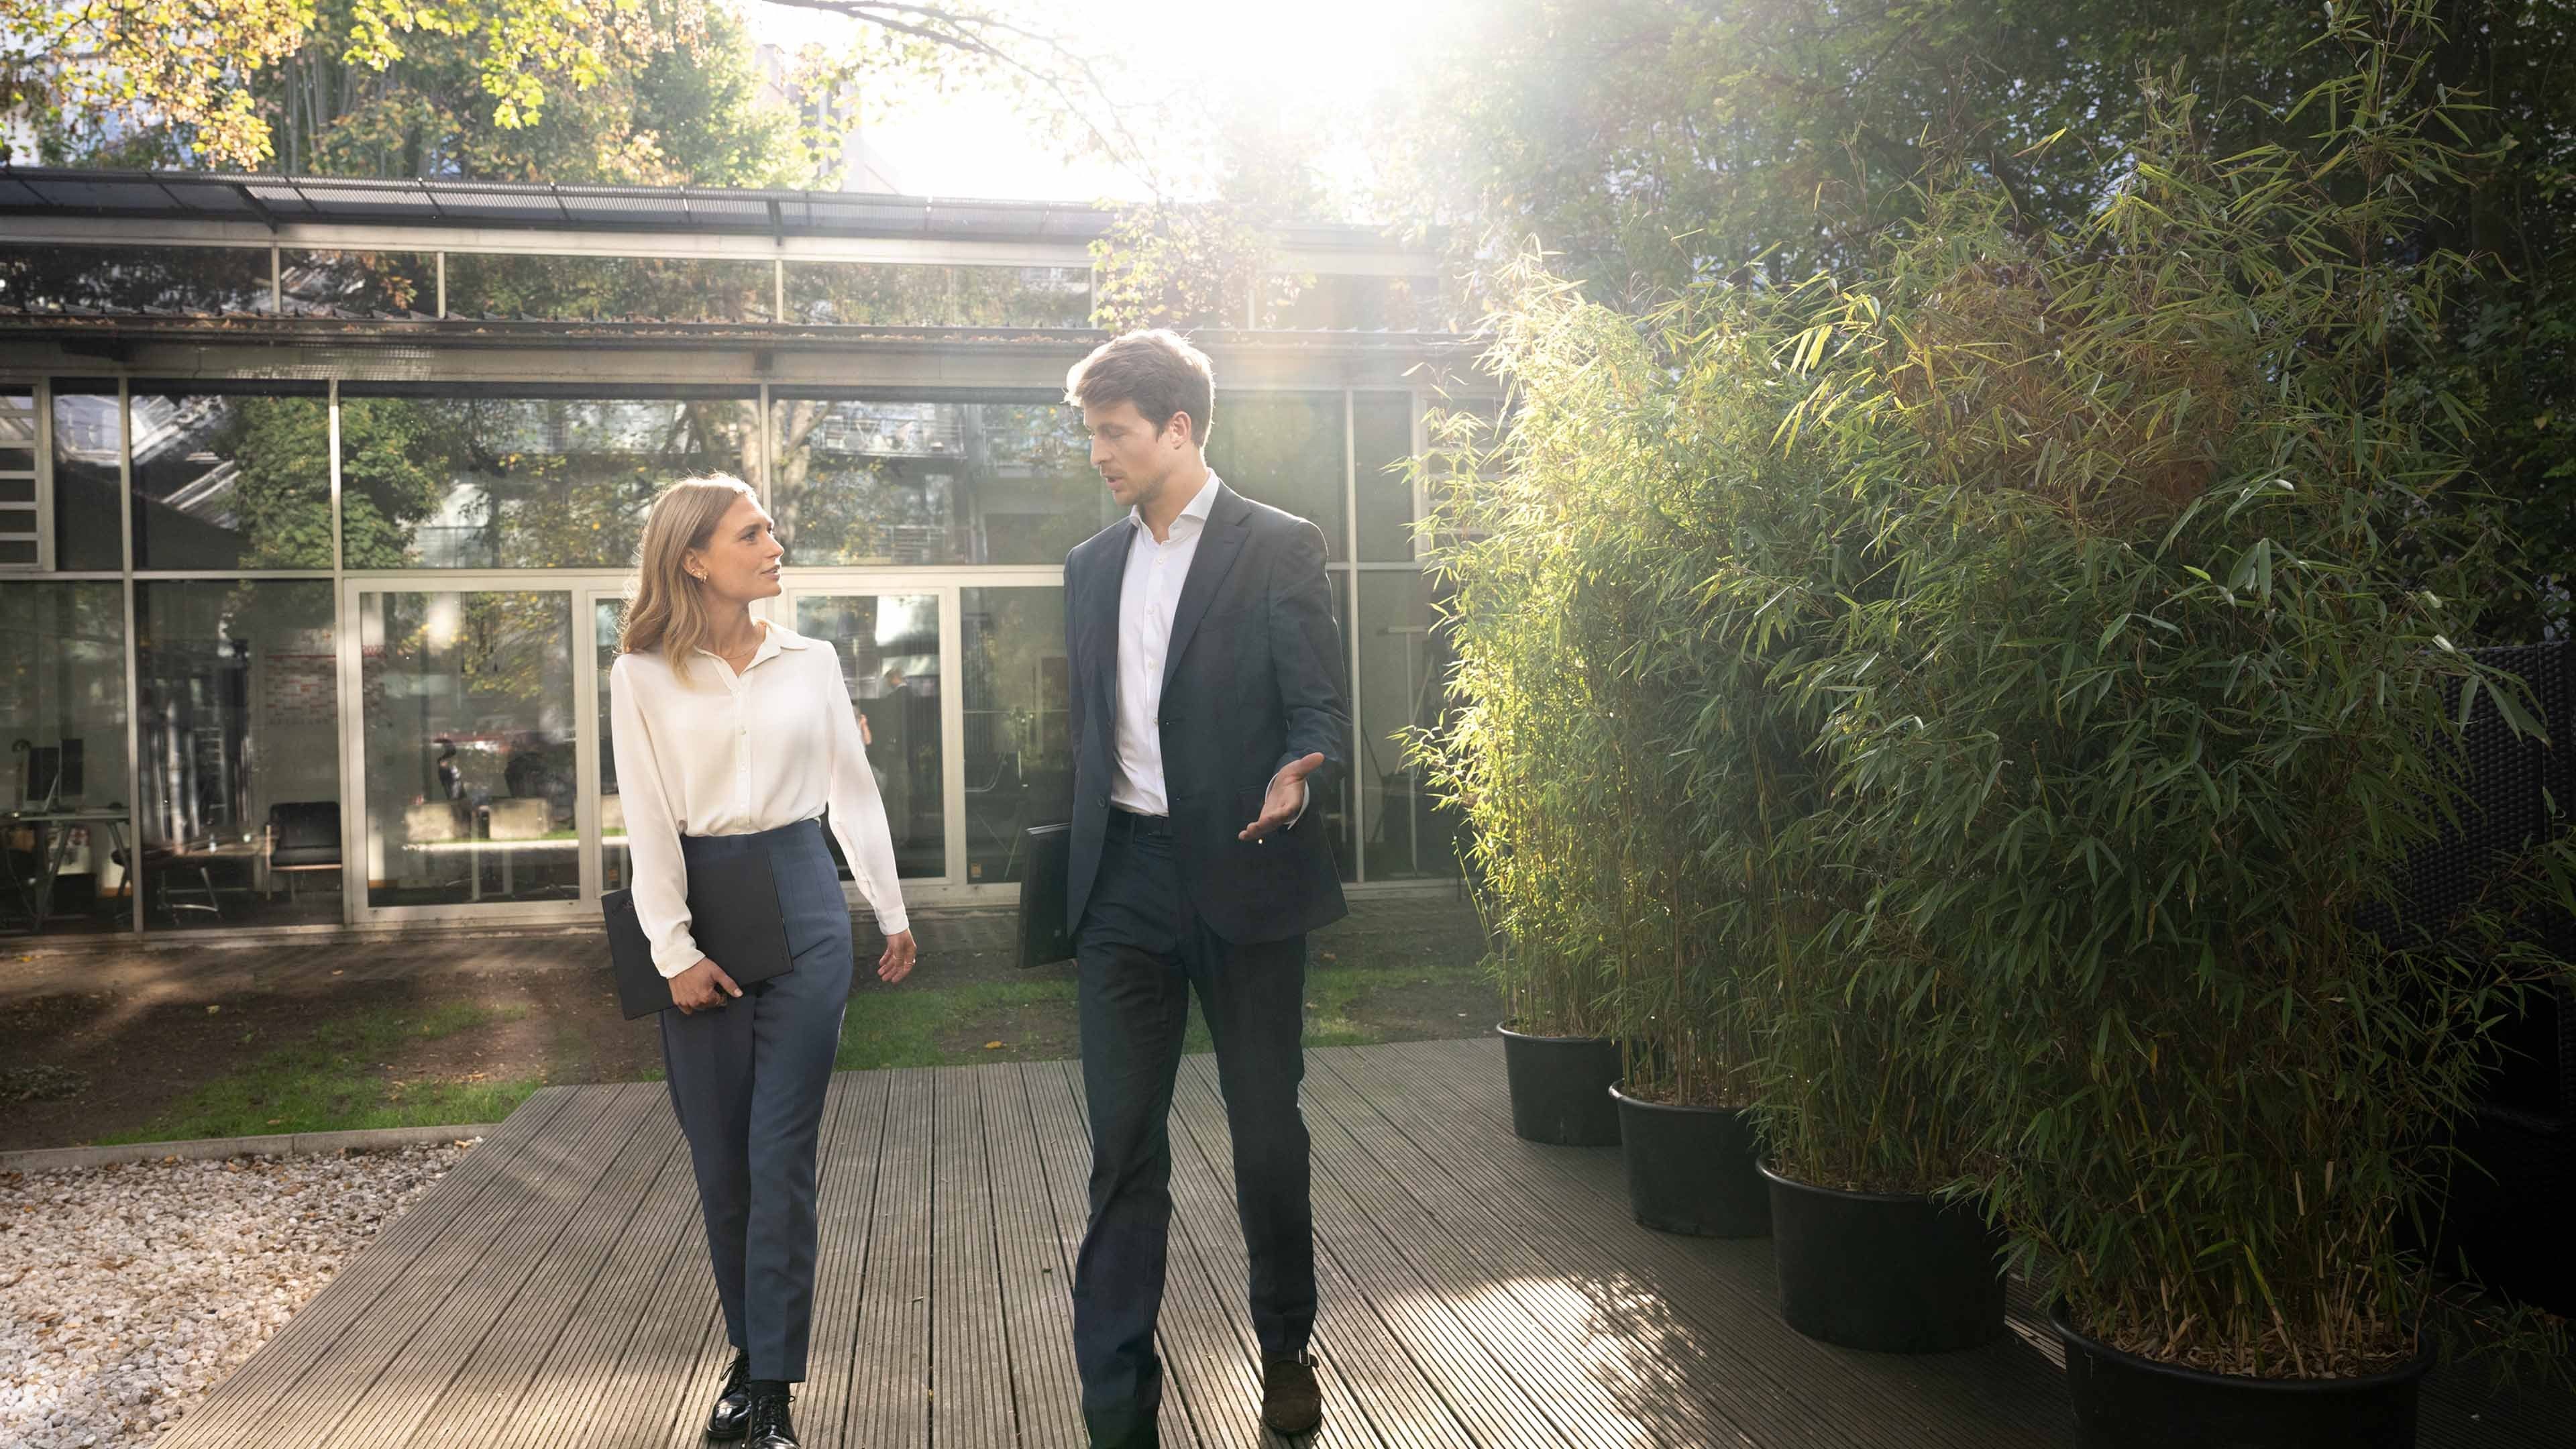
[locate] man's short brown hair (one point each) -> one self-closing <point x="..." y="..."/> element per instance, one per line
<point x="1159" y="371"/>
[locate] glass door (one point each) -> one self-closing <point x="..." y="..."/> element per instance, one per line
<point x="469" y="753"/>
<point x="896" y="641"/>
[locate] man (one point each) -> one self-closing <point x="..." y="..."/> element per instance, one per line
<point x="1207" y="717"/>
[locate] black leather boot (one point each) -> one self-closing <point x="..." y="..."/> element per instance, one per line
<point x="770" y="1426"/>
<point x="733" y="1406"/>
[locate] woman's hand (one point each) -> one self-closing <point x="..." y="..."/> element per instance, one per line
<point x="702" y="986"/>
<point x="896" y="963"/>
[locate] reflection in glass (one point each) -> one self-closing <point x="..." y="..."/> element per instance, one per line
<point x="876" y="482"/>
<point x="1285" y="449"/>
<point x="615" y="869"/>
<point x="888" y="646"/>
<point x="895" y="295"/>
<point x="608" y="289"/>
<point x="228" y="481"/>
<point x="89" y="436"/>
<point x="241" y="753"/>
<point x="1337" y="807"/>
<point x="161" y="281"/>
<point x="1345" y="303"/>
<point x="18" y="531"/>
<point x="358" y="284"/>
<point x="1382" y="442"/>
<point x="1019" y="746"/>
<point x="521" y="482"/>
<point x="1403" y="664"/>
<point x="63" y="797"/>
<point x="468" y="732"/>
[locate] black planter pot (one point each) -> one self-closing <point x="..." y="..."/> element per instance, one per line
<point x="1691" y="1169"/>
<point x="1561" y="1088"/>
<point x="2123" y="1401"/>
<point x="1887" y="1272"/>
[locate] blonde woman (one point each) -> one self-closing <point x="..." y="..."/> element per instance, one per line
<point x="734" y="735"/>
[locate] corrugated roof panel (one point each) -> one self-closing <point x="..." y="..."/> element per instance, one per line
<point x="103" y="193"/>
<point x="279" y="197"/>
<point x="483" y="201"/>
<point x="27" y="189"/>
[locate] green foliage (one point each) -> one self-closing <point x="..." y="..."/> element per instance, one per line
<point x="2155" y="690"/>
<point x="2043" y="642"/>
<point x="1617" y="748"/>
<point x="551" y="90"/>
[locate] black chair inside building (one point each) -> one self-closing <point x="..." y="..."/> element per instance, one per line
<point x="303" y="836"/>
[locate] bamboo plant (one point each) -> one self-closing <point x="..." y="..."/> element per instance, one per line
<point x="2157" y="696"/>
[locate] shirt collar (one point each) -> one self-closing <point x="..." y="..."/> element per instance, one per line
<point x="1201" y="504"/>
<point x="774" y="637"/>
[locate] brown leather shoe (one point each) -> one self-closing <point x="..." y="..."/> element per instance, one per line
<point x="1292" y="1403"/>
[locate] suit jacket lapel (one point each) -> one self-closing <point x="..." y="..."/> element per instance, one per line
<point x="1208" y="568"/>
<point x="1100" y="620"/>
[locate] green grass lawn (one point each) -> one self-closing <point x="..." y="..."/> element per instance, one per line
<point x="336" y="1076"/>
<point x="988" y="1021"/>
<point x="332" y="1081"/>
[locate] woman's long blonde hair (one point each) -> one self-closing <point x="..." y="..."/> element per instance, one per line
<point x="666" y="610"/>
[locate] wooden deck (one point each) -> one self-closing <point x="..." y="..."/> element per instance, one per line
<point x="1477" y="1291"/>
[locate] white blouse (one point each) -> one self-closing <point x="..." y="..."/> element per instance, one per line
<point x="739" y="754"/>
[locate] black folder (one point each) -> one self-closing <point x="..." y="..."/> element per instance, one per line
<point x="1043" y="937"/>
<point x="733" y="914"/>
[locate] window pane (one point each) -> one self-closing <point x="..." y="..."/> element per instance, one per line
<point x="88" y="439"/>
<point x="608" y="289"/>
<point x="616" y="867"/>
<point x="893" y="295"/>
<point x="1403" y="662"/>
<point x="162" y="281"/>
<point x="18" y="532"/>
<point x="1347" y="303"/>
<point x="888" y="646"/>
<point x="1285" y="449"/>
<point x="228" y="481"/>
<point x="876" y="482"/>
<point x="1019" y="748"/>
<point x="1337" y="810"/>
<point x="498" y="482"/>
<point x="241" y="753"/>
<point x="468" y="731"/>
<point x="62" y="709"/>
<point x="1382" y="438"/>
<point x="358" y="284"/>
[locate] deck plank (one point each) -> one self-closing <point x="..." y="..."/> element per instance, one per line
<point x="1425" y="1397"/>
<point x="571" y="1381"/>
<point x="890" y="1386"/>
<point x="972" y="1403"/>
<point x="1475" y="1290"/>
<point x="252" y="1392"/>
<point x="1035" y="1274"/>
<point x="1055" y="1100"/>
<point x="846" y="1202"/>
<point x="1725" y="1290"/>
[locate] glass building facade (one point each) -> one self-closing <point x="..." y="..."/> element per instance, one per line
<point x="316" y="632"/>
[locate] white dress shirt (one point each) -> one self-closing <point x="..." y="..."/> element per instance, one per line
<point x="1148" y="596"/>
<point x="739" y="754"/>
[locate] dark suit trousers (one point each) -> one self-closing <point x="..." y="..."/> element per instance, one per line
<point x="1142" y="949"/>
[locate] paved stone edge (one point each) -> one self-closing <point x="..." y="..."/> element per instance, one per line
<point x="275" y="1144"/>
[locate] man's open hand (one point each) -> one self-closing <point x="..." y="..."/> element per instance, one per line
<point x="1286" y="800"/>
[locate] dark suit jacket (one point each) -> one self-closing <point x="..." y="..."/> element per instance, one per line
<point x="1252" y="681"/>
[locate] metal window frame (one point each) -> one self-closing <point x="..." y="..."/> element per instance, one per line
<point x="584" y="586"/>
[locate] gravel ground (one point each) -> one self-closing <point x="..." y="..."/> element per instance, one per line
<point x="127" y="1292"/>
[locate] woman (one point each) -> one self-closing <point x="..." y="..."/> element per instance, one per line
<point x="733" y="735"/>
